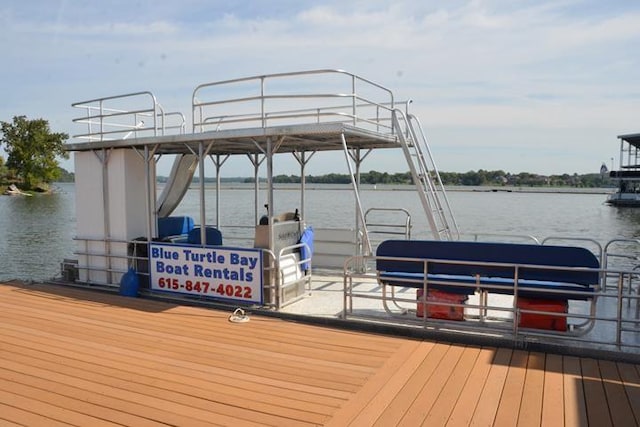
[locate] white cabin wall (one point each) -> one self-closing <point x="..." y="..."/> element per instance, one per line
<point x="127" y="211"/>
<point x="89" y="215"/>
<point x="127" y="189"/>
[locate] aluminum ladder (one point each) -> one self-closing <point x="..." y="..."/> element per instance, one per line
<point x="426" y="176"/>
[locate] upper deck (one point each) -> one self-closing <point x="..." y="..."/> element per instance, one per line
<point x="296" y="112"/>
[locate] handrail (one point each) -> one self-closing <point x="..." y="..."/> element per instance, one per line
<point x="312" y="112"/>
<point x="476" y="236"/>
<point x="104" y="119"/>
<point x="107" y="119"/>
<point x="432" y="168"/>
<point x="383" y="228"/>
<point x="267" y="99"/>
<point x="588" y="326"/>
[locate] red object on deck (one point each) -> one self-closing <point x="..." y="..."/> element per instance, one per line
<point x="543" y="321"/>
<point x="436" y="311"/>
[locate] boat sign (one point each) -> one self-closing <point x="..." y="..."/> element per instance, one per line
<point x="218" y="272"/>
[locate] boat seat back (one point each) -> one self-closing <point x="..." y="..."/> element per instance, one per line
<point x="213" y="236"/>
<point x="174" y="226"/>
<point x="491" y="260"/>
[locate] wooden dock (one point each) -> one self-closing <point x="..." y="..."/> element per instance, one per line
<point x="71" y="356"/>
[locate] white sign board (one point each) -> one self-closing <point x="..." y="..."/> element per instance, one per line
<point x="220" y="272"/>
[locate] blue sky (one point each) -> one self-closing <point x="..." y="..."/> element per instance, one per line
<point x="536" y="86"/>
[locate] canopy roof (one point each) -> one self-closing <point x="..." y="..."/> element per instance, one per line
<point x="632" y="138"/>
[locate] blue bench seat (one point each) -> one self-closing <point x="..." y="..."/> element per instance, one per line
<point x="543" y="271"/>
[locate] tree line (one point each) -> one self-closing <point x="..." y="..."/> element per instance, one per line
<point x="471" y="178"/>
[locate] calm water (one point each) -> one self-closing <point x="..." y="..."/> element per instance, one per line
<point x="37" y="231"/>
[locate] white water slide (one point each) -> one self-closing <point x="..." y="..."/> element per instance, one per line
<point x="178" y="183"/>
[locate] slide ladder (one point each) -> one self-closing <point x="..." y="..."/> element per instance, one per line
<point x="426" y="176"/>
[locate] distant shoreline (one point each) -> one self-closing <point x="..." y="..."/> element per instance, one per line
<point x="407" y="187"/>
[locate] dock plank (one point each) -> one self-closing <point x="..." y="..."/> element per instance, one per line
<point x="575" y="409"/>
<point x="619" y="407"/>
<point x="83" y="399"/>
<point x="13" y="416"/>
<point x="185" y="326"/>
<point x="19" y="387"/>
<point x="284" y="352"/>
<point x="184" y="382"/>
<point x="631" y="379"/>
<point x="402" y="400"/>
<point x="594" y="394"/>
<point x="73" y="356"/>
<point x="511" y="398"/>
<point x="174" y="365"/>
<point x="272" y="369"/>
<point x="54" y="412"/>
<point x="532" y="395"/>
<point x="448" y="397"/>
<point x="553" y="393"/>
<point x="377" y="405"/>
<point x="400" y="363"/>
<point x="179" y="394"/>
<point x="489" y="401"/>
<point x="432" y="388"/>
<point x="462" y="413"/>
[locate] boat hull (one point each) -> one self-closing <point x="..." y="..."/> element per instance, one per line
<point x="624" y="199"/>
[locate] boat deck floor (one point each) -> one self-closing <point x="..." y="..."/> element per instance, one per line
<point x="78" y="357"/>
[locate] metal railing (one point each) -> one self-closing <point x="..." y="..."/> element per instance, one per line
<point x="99" y="255"/>
<point x="96" y="256"/>
<point x="611" y="319"/>
<point x="497" y="237"/>
<point x="297" y="97"/>
<point x="599" y="317"/>
<point x="124" y="116"/>
<point x="379" y="228"/>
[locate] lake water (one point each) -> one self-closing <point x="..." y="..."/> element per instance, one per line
<point x="38" y="231"/>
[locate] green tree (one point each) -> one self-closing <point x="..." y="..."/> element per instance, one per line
<point x="32" y="149"/>
<point x="3" y="170"/>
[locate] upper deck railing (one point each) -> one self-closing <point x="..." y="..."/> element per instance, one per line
<point x="124" y="116"/>
<point x="308" y="97"/>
